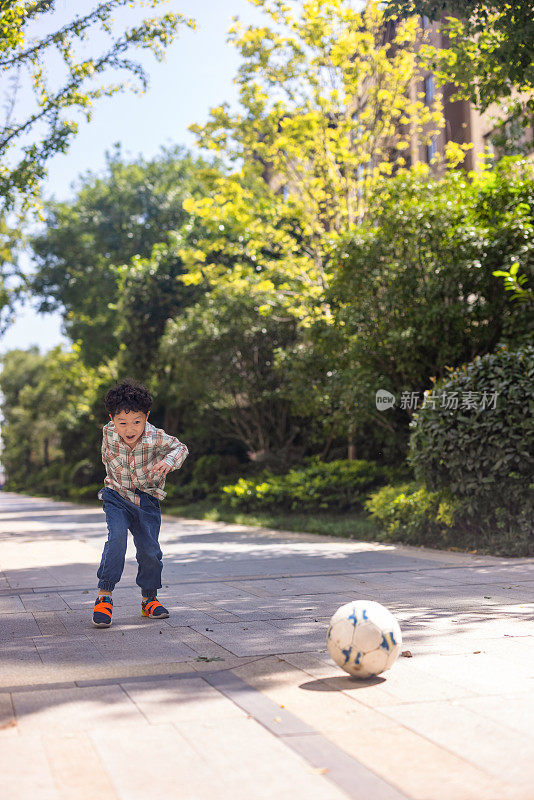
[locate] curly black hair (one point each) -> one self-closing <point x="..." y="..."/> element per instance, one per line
<point x="128" y="395"/>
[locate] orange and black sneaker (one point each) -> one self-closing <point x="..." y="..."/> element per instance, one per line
<point x="151" y="607"/>
<point x="102" y="611"/>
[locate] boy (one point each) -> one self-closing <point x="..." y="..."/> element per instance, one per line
<point x="137" y="457"/>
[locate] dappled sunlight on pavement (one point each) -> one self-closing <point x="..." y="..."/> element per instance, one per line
<point x="236" y="690"/>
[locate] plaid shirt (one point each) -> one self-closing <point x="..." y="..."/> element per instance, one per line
<point x="129" y="468"/>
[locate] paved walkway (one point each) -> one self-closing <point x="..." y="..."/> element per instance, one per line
<point x="235" y="696"/>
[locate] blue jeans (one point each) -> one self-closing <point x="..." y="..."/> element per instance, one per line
<point x="144" y="522"/>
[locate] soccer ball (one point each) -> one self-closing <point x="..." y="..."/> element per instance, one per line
<point x="364" y="638"/>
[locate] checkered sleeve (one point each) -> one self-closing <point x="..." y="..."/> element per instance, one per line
<point x="113" y="464"/>
<point x="175" y="452"/>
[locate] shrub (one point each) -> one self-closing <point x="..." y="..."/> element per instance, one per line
<point x="335" y="485"/>
<point x="411" y="513"/>
<point x="484" y="456"/>
<point x="481" y="459"/>
<point x="214" y="468"/>
<point x="88" y="492"/>
<point x="82" y="472"/>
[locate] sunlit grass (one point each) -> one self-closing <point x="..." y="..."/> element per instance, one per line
<point x="350" y="525"/>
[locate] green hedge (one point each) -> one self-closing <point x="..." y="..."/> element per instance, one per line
<point x="486" y="456"/>
<point x="88" y="492"/>
<point x="412" y="514"/>
<point x="336" y="485"/>
<point x="473" y="467"/>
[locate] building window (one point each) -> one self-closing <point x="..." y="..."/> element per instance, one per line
<point x="426" y="23"/>
<point x="431" y="150"/>
<point x="430" y="89"/>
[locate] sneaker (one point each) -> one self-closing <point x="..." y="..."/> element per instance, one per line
<point x="151" y="607"/>
<point x="102" y="611"/>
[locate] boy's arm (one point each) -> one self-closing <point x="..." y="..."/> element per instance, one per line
<point x="174" y="451"/>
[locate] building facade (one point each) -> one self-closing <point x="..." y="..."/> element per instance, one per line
<point x="464" y="124"/>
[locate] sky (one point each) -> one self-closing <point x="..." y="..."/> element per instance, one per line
<point x="197" y="74"/>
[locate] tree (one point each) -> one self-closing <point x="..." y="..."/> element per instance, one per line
<point x="82" y="256"/>
<point x="10" y="238"/>
<point x="27" y="142"/>
<point x="489" y="52"/>
<point x="149" y="294"/>
<point x="29" y="138"/>
<point x="416" y="293"/>
<point x="326" y="112"/>
<point x="227" y="362"/>
<point x="52" y="407"/>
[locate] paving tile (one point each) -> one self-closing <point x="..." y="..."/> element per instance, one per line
<point x="17" y="658"/>
<point x="58" y="650"/>
<point x="481" y="672"/>
<point x="198" y="641"/>
<point x="252" y="774"/>
<point x="258" y="638"/>
<point x="49" y="623"/>
<point x="187" y="769"/>
<point x="155" y="643"/>
<point x="322" y="584"/>
<point x="215" y="611"/>
<point x="76" y="766"/>
<point x="490" y="574"/>
<point x="404" y="682"/>
<point x="182" y="616"/>
<point x="415" y="765"/>
<point x="283" y="607"/>
<point x="362" y="581"/>
<point x="180" y="701"/>
<point x="7" y="714"/>
<point x="17" y="626"/>
<point x="77" y="708"/>
<point x="43" y="602"/>
<point x="17" y="779"/>
<point x="514" y="711"/>
<point x="319" y="704"/>
<point x="420" y="768"/>
<point x="26" y="578"/>
<point x="496" y="750"/>
<point x="9" y="604"/>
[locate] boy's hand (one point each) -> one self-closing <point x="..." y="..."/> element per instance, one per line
<point x="160" y="469"/>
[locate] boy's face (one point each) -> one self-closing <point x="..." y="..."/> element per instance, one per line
<point x="130" y="425"/>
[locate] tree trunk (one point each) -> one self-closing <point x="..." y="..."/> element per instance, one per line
<point x="327" y="446"/>
<point x="352" y="447"/>
<point x="46" y="452"/>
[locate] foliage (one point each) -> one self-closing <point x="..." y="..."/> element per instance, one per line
<point x="48" y="418"/>
<point x="415" y="291"/>
<point x="148" y="295"/>
<point x="225" y="359"/>
<point x="209" y="472"/>
<point x="516" y="284"/>
<point x="10" y="238"/>
<point x="325" y="113"/>
<point x="489" y="49"/>
<point x="480" y="445"/>
<point x="95" y="249"/>
<point x="338" y="485"/>
<point x="411" y="513"/>
<point x="28" y="141"/>
<point x="212" y="468"/>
